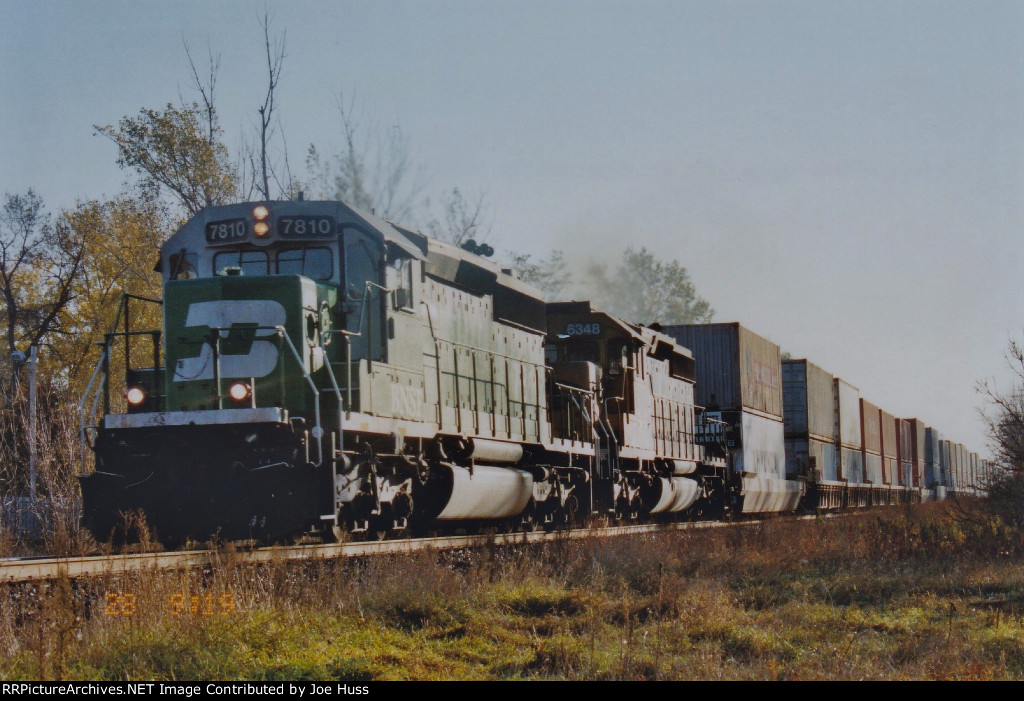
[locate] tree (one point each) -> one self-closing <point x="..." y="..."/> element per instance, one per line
<point x="177" y="150"/>
<point x="643" y="289"/>
<point x="207" y="88"/>
<point x="275" y="61"/>
<point x="1005" y="416"/>
<point x="60" y="282"/>
<point x="121" y="240"/>
<point x="463" y="220"/>
<point x="372" y="170"/>
<point x="549" y="274"/>
<point x="40" y="264"/>
<point x="1004" y="504"/>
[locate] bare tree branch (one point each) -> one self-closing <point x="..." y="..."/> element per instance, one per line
<point x="463" y="220"/>
<point x="206" y="88"/>
<point x="1005" y="417"/>
<point x="372" y="170"/>
<point x="275" y="60"/>
<point x="40" y="266"/>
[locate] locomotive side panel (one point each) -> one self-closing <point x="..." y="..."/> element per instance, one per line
<point x="452" y="365"/>
<point x="673" y="413"/>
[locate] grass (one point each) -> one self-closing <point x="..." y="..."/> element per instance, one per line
<point x="905" y="594"/>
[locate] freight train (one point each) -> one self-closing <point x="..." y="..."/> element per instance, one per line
<point x="316" y="368"/>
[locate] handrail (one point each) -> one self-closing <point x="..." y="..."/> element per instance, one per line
<point x="81" y="403"/>
<point x="99" y="377"/>
<point x="342" y="408"/>
<point x="437" y="362"/>
<point x="573" y="392"/>
<point x="349" y="335"/>
<point x="318" y="432"/>
<point x="613" y="446"/>
<point x="101" y="371"/>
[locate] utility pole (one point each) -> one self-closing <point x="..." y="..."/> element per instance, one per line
<point x="32" y="358"/>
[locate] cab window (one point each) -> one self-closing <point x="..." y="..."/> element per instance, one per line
<point x="183" y="265"/>
<point x="618" y="355"/>
<point x="313" y="262"/>
<point x="550" y="354"/>
<point x="360" y="263"/>
<point x="402" y="283"/>
<point x="578" y="349"/>
<point x="250" y="262"/>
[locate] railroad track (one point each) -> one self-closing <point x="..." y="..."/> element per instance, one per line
<point x="45" y="568"/>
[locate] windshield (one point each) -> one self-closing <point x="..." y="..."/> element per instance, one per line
<point x="250" y="262"/>
<point x="314" y="262"/>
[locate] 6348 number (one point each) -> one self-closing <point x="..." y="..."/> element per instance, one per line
<point x="591" y="329"/>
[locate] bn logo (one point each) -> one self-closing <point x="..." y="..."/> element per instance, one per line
<point x="259" y="315"/>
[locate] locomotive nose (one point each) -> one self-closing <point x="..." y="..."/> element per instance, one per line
<point x="224" y="347"/>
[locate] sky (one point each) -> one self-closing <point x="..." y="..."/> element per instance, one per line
<point x="844" y="178"/>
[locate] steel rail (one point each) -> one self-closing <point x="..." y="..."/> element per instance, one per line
<point x="34" y="569"/>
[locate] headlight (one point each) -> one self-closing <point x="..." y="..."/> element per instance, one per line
<point x="260" y="214"/>
<point x="135" y="395"/>
<point x="240" y="391"/>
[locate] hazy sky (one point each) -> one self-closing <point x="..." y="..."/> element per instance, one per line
<point x="845" y="178"/>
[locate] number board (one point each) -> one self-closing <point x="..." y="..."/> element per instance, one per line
<point x="589" y="329"/>
<point x="306" y="226"/>
<point x="226" y="231"/>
